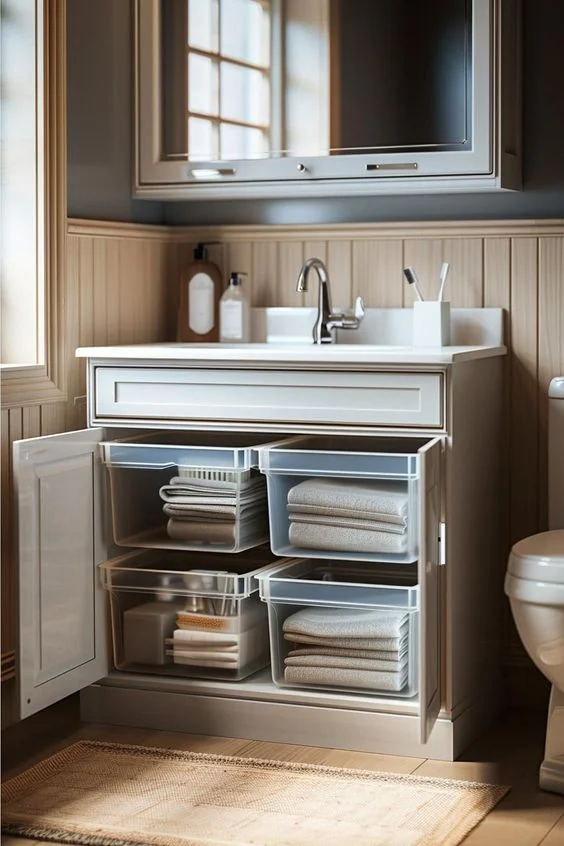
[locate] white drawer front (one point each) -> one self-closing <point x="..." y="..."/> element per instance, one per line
<point x="284" y="396"/>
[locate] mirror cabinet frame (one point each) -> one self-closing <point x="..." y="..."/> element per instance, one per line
<point x="493" y="161"/>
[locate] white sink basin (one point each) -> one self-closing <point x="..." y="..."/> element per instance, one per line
<point x="310" y="349"/>
<point x="293" y="326"/>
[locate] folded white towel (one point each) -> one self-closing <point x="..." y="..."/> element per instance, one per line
<point x="347" y="623"/>
<point x="196" y="662"/>
<point x="201" y="656"/>
<point x="345" y="522"/>
<point x="194" y="638"/>
<point x="337" y="677"/>
<point x="345" y="663"/>
<point x="352" y="496"/>
<point x="390" y="645"/>
<point x="311" y="536"/>
<point x="193" y="647"/>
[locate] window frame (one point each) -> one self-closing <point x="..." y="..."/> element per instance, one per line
<point x="40" y="383"/>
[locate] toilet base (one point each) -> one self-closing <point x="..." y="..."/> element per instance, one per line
<point x="551" y="775"/>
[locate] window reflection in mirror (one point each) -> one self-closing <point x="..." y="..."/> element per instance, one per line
<point x="251" y="79"/>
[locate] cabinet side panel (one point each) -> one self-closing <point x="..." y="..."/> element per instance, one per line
<point x="475" y="536"/>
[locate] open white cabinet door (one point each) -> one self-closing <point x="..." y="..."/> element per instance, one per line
<point x="60" y="505"/>
<point x="429" y="560"/>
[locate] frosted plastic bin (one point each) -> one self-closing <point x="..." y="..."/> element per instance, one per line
<point x="337" y="626"/>
<point x="344" y="497"/>
<point x="188" y="614"/>
<point x="187" y="490"/>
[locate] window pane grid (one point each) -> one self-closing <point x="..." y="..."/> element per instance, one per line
<point x="229" y="81"/>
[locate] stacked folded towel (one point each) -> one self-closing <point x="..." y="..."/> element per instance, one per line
<point x="211" y="511"/>
<point x="348" y="515"/>
<point x="223" y="650"/>
<point x="348" y="648"/>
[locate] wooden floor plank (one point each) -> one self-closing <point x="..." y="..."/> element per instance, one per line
<point x="510" y="753"/>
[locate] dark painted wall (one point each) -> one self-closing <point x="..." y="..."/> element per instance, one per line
<point x="99" y="145"/>
<point x="99" y="114"/>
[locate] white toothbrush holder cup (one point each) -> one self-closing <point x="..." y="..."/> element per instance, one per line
<point x="431" y="324"/>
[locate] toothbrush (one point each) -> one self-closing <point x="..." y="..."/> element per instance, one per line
<point x="442" y="278"/>
<point x="412" y="279"/>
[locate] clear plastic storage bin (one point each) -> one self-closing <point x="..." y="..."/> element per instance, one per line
<point x="188" y="614"/>
<point x="346" y="498"/>
<point x="337" y="626"/>
<point x="187" y="490"/>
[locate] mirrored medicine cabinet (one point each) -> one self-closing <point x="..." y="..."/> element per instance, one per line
<point x="285" y="98"/>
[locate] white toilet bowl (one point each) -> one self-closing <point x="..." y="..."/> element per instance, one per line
<point x="534" y="584"/>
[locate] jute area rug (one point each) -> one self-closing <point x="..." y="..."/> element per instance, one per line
<point x="106" y="794"/>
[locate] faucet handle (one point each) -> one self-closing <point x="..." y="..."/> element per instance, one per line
<point x="359" y="311"/>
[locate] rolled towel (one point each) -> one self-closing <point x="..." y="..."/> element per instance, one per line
<point x="347" y="623"/>
<point x="351" y="497"/>
<point x="345" y="663"/>
<point x="311" y="536"/>
<point x="337" y="677"/>
<point x="391" y="645"/>
<point x="346" y="522"/>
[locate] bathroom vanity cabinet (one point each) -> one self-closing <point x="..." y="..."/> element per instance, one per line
<point x="437" y="411"/>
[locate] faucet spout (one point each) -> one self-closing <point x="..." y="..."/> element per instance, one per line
<point x="322" y="331"/>
<point x="327" y="321"/>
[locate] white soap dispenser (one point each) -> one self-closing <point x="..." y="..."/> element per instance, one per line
<point x="234" y="313"/>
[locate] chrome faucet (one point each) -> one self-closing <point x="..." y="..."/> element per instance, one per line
<point x="327" y="321"/>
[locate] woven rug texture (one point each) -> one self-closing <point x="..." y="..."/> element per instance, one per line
<point x="107" y="794"/>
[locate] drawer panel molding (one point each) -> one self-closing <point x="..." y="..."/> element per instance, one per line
<point x="285" y="396"/>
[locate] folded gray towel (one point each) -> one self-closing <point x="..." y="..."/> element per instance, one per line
<point x="213" y="512"/>
<point x="352" y="495"/>
<point x="328" y="513"/>
<point x="347" y="623"/>
<point x="376" y="644"/>
<point x="178" y="490"/>
<point x="345" y="522"/>
<point x="346" y="663"/>
<point x="310" y="536"/>
<point x="337" y="677"/>
<point x="392" y="656"/>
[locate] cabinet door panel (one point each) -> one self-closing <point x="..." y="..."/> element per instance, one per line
<point x="429" y="559"/>
<point x="59" y="495"/>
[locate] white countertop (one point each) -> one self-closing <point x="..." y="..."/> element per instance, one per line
<point x="292" y="353"/>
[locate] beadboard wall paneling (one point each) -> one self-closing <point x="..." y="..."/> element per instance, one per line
<point x="121" y="287"/>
